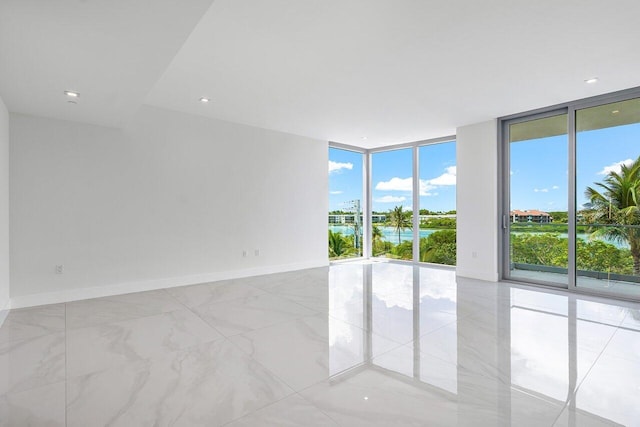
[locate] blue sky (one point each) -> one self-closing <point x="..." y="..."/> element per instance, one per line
<point x="392" y="176"/>
<point x="539" y="177"/>
<point x="345" y="178"/>
<point x="539" y="172"/>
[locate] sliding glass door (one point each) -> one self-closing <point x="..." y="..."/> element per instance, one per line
<point x="571" y="210"/>
<point x="537" y="217"/>
<point x="608" y="197"/>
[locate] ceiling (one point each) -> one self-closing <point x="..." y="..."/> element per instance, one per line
<point x="110" y="51"/>
<point x="363" y="72"/>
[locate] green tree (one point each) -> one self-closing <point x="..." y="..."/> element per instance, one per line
<point x="596" y="255"/>
<point x="615" y="205"/>
<point x="376" y="233"/>
<point x="439" y="247"/>
<point x="400" y="220"/>
<point x="539" y="249"/>
<point x="449" y="223"/>
<point x="339" y="245"/>
<point x="404" y="250"/>
<point x="559" y="216"/>
<point x="552" y="250"/>
<point x="379" y="246"/>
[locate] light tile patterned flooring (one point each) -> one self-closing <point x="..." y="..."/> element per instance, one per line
<point x="356" y="344"/>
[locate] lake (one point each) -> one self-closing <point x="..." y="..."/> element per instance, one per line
<point x="390" y="235"/>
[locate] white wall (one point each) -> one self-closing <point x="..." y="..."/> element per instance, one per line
<point x="172" y="199"/>
<point x="476" y="201"/>
<point x="4" y="206"/>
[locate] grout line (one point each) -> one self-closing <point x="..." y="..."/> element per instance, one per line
<point x="317" y="408"/>
<point x="227" y="338"/>
<point x="197" y="315"/>
<point x="277" y="377"/>
<point x="292" y="319"/>
<point x="586" y="375"/>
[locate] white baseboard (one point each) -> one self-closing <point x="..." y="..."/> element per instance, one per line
<point x="486" y="276"/>
<point x="3" y="315"/>
<point x="4" y="310"/>
<point x="149" y="285"/>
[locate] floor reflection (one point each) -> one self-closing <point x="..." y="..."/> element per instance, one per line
<point x="355" y="344"/>
<point x="483" y="353"/>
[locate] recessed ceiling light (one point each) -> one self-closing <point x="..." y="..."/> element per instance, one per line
<point x="615" y="111"/>
<point x="591" y="80"/>
<point x="71" y="94"/>
<point x="204" y="100"/>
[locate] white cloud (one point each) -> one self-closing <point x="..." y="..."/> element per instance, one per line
<point x="406" y="184"/>
<point x="426" y="185"/>
<point x="390" y="199"/>
<point x="336" y="192"/>
<point x="615" y="167"/>
<point x="425" y="188"/>
<point x="541" y="190"/>
<point x="555" y="187"/>
<point x="447" y="178"/>
<point x="337" y="166"/>
<point x="395" y="184"/>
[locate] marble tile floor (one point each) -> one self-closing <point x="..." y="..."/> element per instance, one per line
<point x="355" y="344"/>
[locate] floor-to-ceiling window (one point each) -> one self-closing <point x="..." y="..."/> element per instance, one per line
<point x="345" y="204"/>
<point x="392" y="204"/>
<point x="437" y="214"/>
<point x="571" y="210"/>
<point x="409" y="195"/>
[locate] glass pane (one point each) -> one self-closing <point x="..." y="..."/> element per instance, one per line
<point x="607" y="197"/>
<point x="345" y="200"/>
<point x="538" y="194"/>
<point x="438" y="203"/>
<point x="392" y="216"/>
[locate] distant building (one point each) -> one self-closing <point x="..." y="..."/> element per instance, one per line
<point x="530" y="216"/>
<point x="351" y="218"/>
<point x="377" y="218"/>
<point x="428" y="217"/>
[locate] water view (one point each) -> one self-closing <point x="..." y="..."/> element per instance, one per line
<point x="389" y="234"/>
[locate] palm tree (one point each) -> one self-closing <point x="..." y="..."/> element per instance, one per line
<point x="377" y="245"/>
<point x="376" y="233"/>
<point x="616" y="203"/>
<point x="400" y="220"/>
<point x="339" y="245"/>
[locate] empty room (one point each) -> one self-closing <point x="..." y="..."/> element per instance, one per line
<point x="319" y="213"/>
